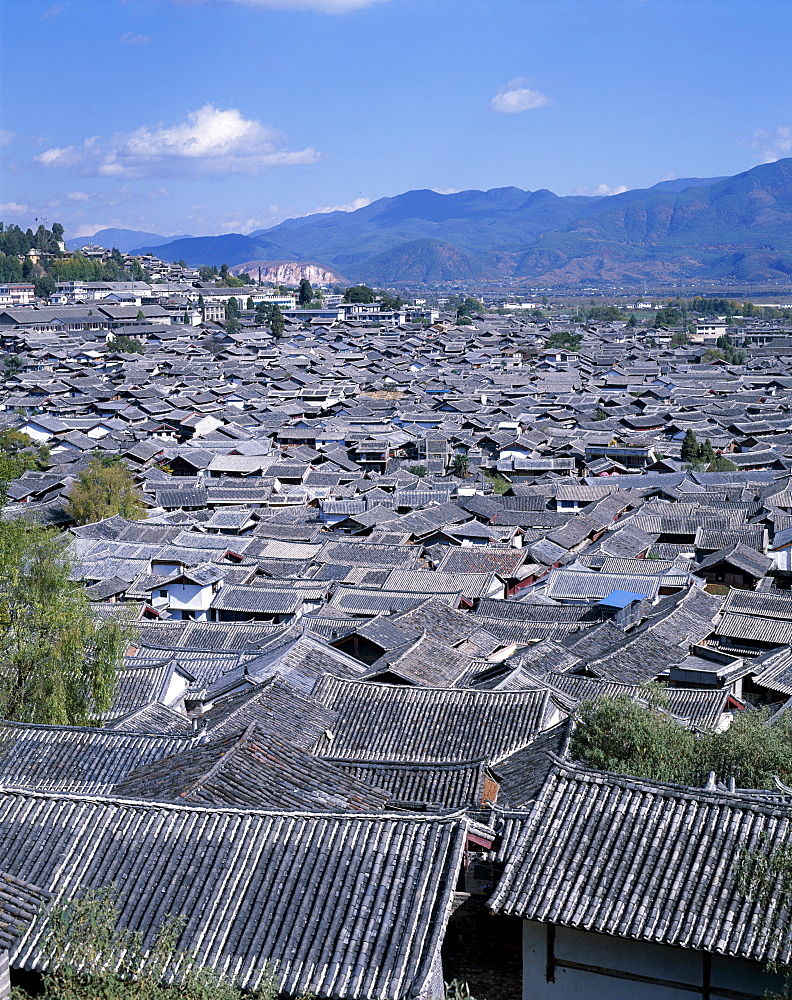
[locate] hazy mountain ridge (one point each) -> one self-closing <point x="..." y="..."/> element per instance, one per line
<point x="122" y="239"/>
<point x="738" y="226"/>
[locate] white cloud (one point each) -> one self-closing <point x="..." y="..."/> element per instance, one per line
<point x="13" y="208"/>
<point x="516" y="96"/>
<point x="130" y="38"/>
<point x="210" y="141"/>
<point x="88" y="229"/>
<point x="321" y="6"/>
<point x="6" y="137"/>
<point x="52" y="12"/>
<point x="350" y="206"/>
<point x="602" y="190"/>
<point x="773" y="144"/>
<point x="446" y="190"/>
<point x="78" y="196"/>
<point x="265" y="219"/>
<point x="606" y="189"/>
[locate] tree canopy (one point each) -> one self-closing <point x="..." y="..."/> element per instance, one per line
<point x="105" y="488"/>
<point x="617" y="733"/>
<point x="468" y="307"/>
<point x="305" y="293"/>
<point x="124" y="344"/>
<point x="12" y="364"/>
<point x="277" y="323"/>
<point x="460" y="465"/>
<point x="59" y="661"/>
<point x="92" y="955"/>
<point x="690" y="447"/>
<point x="359" y="293"/>
<point x="19" y="454"/>
<point x="563" y="339"/>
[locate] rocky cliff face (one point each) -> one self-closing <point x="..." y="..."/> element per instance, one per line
<point x="289" y="272"/>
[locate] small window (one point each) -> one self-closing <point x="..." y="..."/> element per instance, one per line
<point x="163" y="593"/>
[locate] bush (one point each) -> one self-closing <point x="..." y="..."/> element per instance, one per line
<point x="91" y="957"/>
<point x="103" y="490"/>
<point x="616" y="733"/>
<point x="566" y="341"/>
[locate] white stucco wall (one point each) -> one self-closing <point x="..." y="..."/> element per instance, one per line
<point x="670" y="965"/>
<point x="189" y="596"/>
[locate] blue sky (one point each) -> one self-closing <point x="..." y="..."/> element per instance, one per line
<point x="210" y="116"/>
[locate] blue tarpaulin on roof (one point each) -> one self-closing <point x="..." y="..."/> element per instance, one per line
<point x="620" y="599"/>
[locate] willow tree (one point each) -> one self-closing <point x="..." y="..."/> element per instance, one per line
<point x="103" y="489"/>
<point x="58" y="661"/>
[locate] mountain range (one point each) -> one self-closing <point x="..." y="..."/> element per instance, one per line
<point x="718" y="228"/>
<point x="122" y="239"/>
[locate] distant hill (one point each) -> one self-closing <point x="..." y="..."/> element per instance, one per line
<point x="232" y="248"/>
<point x="422" y="261"/>
<point x="122" y="239"/>
<point x="737" y="227"/>
<point x="693" y="228"/>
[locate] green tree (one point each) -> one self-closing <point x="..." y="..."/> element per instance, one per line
<point x="460" y="465"/>
<point x="706" y="453"/>
<point x="18" y="454"/>
<point x="620" y="734"/>
<point x="12" y="365"/>
<point x="679" y="339"/>
<point x="359" y="293"/>
<point x="105" y="488"/>
<point x="722" y="464"/>
<point x="250" y="303"/>
<point x="600" y="414"/>
<point x="263" y="313"/>
<point x="390" y="302"/>
<point x="126" y="345"/>
<point x="711" y="354"/>
<point x="617" y="733"/>
<point x="277" y="323"/>
<point x="418" y="470"/>
<point x="670" y="316"/>
<point x="564" y="340"/>
<point x="469" y="306"/>
<point x="59" y="660"/>
<point x="138" y="272"/>
<point x="750" y="751"/>
<point x="500" y="484"/>
<point x="304" y="293"/>
<point x="93" y="956"/>
<point x="231" y="308"/>
<point x="45" y="286"/>
<point x="224" y="272"/>
<point x="690" y="447"/>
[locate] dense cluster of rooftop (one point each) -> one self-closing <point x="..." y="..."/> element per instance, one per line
<point x="383" y="563"/>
